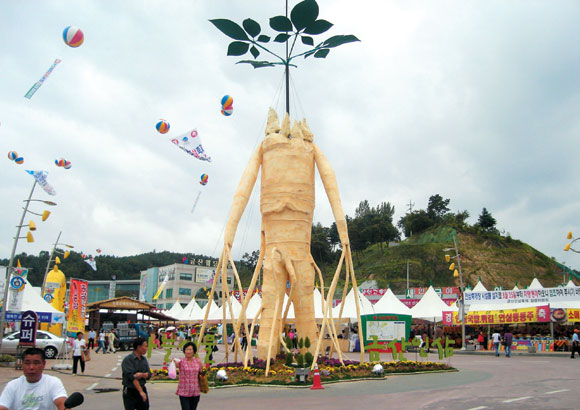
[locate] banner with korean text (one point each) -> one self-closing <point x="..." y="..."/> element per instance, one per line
<point x="501" y="317"/>
<point x="547" y="295"/>
<point x="77" y="306"/>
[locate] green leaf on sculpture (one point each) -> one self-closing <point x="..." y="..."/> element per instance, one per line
<point x="238" y="48"/>
<point x="309" y="53"/>
<point x="309" y="41"/>
<point x="322" y="53"/>
<point x="281" y="38"/>
<point x="304" y="14"/>
<point x="254" y="51"/>
<point x="339" y="40"/>
<point x="257" y="64"/>
<point x="230" y="29"/>
<point x="252" y="27"/>
<point x="263" y="38"/>
<point x="280" y="23"/>
<point x="318" y="27"/>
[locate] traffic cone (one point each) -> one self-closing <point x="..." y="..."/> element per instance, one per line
<point x="316" y="384"/>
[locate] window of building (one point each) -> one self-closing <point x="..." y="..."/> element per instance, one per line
<point x="168" y="293"/>
<point x="186" y="276"/>
<point x="185" y="291"/>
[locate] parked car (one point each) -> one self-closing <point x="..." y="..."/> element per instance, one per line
<point x="51" y="344"/>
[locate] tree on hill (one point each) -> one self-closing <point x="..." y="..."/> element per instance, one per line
<point x="415" y="222"/>
<point x="437" y="207"/>
<point x="487" y="222"/>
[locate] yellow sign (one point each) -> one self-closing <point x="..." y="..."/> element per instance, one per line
<point x="573" y="315"/>
<point x="496" y="317"/>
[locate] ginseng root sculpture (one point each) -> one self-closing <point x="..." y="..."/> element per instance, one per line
<point x="287" y="159"/>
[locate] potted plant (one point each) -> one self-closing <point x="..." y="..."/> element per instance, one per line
<point x="301" y="372"/>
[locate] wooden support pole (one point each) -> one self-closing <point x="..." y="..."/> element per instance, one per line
<point x="356" y="299"/>
<point x="258" y="313"/>
<point x="210" y="299"/>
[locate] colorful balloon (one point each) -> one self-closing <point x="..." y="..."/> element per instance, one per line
<point x="19" y="160"/>
<point x="67" y="164"/>
<point x="227" y="112"/>
<point x="12" y="155"/>
<point x="227" y="101"/>
<point x="98" y="251"/>
<point x="73" y="36"/>
<point x="162" y="126"/>
<point x="203" y="179"/>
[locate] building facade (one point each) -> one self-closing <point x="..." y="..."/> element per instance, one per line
<point x="184" y="281"/>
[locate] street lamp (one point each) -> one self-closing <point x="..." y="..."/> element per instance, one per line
<point x="56" y="259"/>
<point x="568" y="246"/>
<point x="457" y="272"/>
<point x="29" y="239"/>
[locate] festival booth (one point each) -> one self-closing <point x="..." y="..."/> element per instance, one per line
<point x="389" y="303"/>
<point x="346" y="311"/>
<point x="431" y="307"/>
<point x="190" y="312"/>
<point x="175" y="310"/>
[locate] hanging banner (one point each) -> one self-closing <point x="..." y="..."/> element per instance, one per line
<point x="40" y="177"/>
<point x="573" y="315"/>
<point x="77" y="306"/>
<point x="190" y="142"/>
<point x="547" y="295"/>
<point x="500" y="317"/>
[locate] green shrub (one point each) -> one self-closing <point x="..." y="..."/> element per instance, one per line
<point x="7" y="358"/>
<point x="307" y="343"/>
<point x="300" y="360"/>
<point x="288" y="342"/>
<point x="309" y="358"/>
<point x="289" y="359"/>
<point x="301" y="343"/>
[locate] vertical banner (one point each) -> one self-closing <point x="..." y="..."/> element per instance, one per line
<point x="29" y="322"/>
<point x="77" y="306"/>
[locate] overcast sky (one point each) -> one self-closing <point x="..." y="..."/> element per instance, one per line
<point x="477" y="101"/>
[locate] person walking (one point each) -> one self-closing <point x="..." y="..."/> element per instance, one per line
<point x="79" y="348"/>
<point x="136" y="371"/>
<point x="575" y="344"/>
<point x="507" y="341"/>
<point x="244" y="341"/>
<point x="101" y="342"/>
<point x="43" y="391"/>
<point x="188" y="387"/>
<point x="112" y="338"/>
<point x="91" y="336"/>
<point x="480" y="340"/>
<point x="496" y="341"/>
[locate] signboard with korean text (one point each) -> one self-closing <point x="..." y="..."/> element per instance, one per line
<point x="500" y="317"/>
<point x="386" y="326"/>
<point x="412" y="302"/>
<point x="28" y="324"/>
<point x="204" y="275"/>
<point x="413" y="293"/>
<point x="573" y="315"/>
<point x="547" y="295"/>
<point x="77" y="306"/>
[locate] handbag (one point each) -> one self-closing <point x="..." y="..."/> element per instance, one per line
<point x="86" y="357"/>
<point x="203" y="384"/>
<point x="172" y="371"/>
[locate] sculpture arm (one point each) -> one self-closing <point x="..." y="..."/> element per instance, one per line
<point x="242" y="195"/>
<point x="331" y="187"/>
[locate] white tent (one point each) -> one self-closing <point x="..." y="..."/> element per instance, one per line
<point x="214" y="312"/>
<point x="479" y="287"/>
<point x="349" y="311"/>
<point x="535" y="284"/>
<point x="430" y="307"/>
<point x="318" y="314"/>
<point x="175" y="310"/>
<point x="253" y="306"/>
<point x="189" y="313"/>
<point x="570" y="284"/>
<point x="389" y="303"/>
<point x="31" y="300"/>
<point x="516" y="287"/>
<point x="236" y="307"/>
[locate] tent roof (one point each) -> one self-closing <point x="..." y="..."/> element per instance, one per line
<point x="389" y="303"/>
<point x="570" y="284"/>
<point x="175" y="310"/>
<point x="430" y="307"/>
<point x="31" y="300"/>
<point x="535" y="284"/>
<point x="123" y="302"/>
<point x="349" y="310"/>
<point x="479" y="287"/>
<point x="190" y="312"/>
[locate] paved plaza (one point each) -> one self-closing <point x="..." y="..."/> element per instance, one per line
<point x="482" y="382"/>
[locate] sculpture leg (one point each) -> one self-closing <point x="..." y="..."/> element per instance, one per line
<point x="304" y="301"/>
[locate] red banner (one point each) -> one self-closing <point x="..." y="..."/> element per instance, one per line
<point x="412" y="302"/>
<point x="77" y="305"/>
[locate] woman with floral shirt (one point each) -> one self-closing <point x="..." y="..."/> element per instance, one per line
<point x="188" y="387"/>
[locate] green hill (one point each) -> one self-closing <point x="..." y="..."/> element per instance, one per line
<point x="498" y="260"/>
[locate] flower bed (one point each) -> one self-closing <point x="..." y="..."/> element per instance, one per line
<point x="330" y="370"/>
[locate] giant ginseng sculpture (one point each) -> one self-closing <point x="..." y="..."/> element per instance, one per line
<point x="287" y="158"/>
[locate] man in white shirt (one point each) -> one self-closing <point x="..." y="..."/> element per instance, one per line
<point x="79" y="348"/>
<point x="575" y="344"/>
<point x="33" y="390"/>
<point x="92" y="335"/>
<point x="496" y="341"/>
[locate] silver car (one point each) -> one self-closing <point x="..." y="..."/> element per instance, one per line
<point x="51" y="344"/>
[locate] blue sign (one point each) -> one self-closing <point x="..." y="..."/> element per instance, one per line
<point x="16" y="282"/>
<point x="43" y="317"/>
<point x="28" y="324"/>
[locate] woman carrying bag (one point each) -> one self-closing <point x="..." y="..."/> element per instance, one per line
<point x="190" y="368"/>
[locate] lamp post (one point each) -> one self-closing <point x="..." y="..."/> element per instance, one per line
<point x="29" y="238"/>
<point x="56" y="243"/>
<point x="458" y="272"/>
